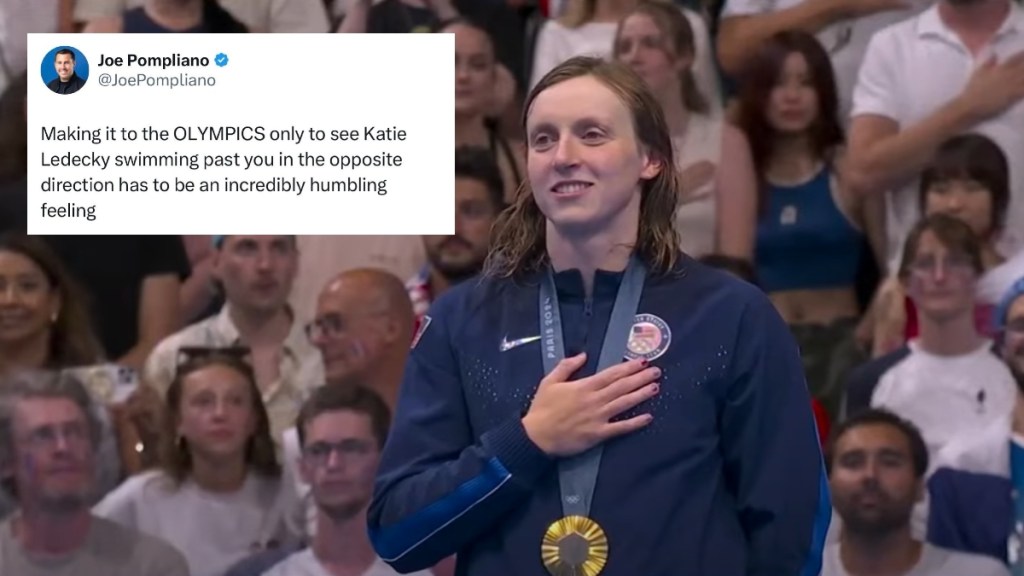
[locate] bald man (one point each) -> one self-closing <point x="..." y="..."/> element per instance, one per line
<point x="363" y="327"/>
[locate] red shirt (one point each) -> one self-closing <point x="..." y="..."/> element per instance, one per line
<point x="821" y="418"/>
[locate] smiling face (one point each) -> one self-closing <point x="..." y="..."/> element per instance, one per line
<point x="65" y="66"/>
<point x="28" y="301"/>
<point x="584" y="162"/>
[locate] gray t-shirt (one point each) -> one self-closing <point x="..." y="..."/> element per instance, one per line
<point x="110" y="550"/>
<point x="934" y="561"/>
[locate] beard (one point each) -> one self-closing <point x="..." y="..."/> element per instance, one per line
<point x="888" y="516"/>
<point x="64" y="504"/>
<point x="455" y="272"/>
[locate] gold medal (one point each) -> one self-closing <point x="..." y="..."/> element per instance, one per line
<point x="574" y="546"/>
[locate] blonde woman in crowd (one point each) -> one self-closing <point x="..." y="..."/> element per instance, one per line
<point x="587" y="28"/>
<point x="216" y="495"/>
<point x="717" y="211"/>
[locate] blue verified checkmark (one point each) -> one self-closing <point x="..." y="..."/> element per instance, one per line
<point x="221" y="60"/>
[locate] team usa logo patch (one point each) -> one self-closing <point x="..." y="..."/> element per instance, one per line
<point x="419" y="331"/>
<point x="649" y="337"/>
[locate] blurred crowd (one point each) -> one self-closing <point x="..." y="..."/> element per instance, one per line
<point x="216" y="405"/>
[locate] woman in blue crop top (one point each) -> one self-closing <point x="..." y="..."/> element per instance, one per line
<point x="809" y="237"/>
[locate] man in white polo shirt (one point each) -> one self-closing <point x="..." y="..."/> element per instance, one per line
<point x="956" y="67"/>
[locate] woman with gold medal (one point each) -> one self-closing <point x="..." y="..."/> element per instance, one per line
<point x="598" y="402"/>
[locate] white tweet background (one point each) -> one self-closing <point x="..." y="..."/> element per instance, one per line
<point x="278" y="81"/>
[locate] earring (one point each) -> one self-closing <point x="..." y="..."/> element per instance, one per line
<point x="53" y="317"/>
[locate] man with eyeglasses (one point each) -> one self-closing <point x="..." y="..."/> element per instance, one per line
<point x="479" y="198"/>
<point x="48" y="448"/>
<point x="976" y="491"/>
<point x="948" y="381"/>
<point x="363" y="326"/>
<point x="341" y="434"/>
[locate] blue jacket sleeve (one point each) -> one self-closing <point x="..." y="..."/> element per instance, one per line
<point x="439" y="484"/>
<point x="773" y="459"/>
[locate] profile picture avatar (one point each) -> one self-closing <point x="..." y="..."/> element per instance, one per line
<point x="65" y="70"/>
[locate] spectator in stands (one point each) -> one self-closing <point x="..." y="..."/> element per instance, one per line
<point x="810" y="233"/>
<point x="967" y="179"/>
<point x="903" y="111"/>
<point x="587" y="28"/>
<point x="478" y="201"/>
<point x="475" y="80"/>
<point x="255" y="15"/>
<point x="217" y="494"/>
<point x="363" y="326"/>
<point x="132" y="284"/>
<point x="948" y="381"/>
<point x="877" y="464"/>
<point x="156" y="16"/>
<point x="843" y="27"/>
<point x="341" y="433"/>
<point x="48" y="440"/>
<point x="979" y="479"/>
<point x="43" y="321"/>
<point x="256" y="273"/>
<point x="717" y="211"/>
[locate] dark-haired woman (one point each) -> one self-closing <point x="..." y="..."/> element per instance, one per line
<point x="810" y="236"/>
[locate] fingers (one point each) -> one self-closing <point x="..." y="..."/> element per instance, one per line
<point x="613" y="429"/>
<point x="617" y="372"/>
<point x="627" y="401"/>
<point x="630" y="383"/>
<point x="566" y="368"/>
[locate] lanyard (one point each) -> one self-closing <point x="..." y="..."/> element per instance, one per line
<point x="578" y="475"/>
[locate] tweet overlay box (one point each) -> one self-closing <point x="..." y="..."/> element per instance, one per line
<point x="241" y="134"/>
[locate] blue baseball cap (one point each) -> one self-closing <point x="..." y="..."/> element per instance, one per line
<point x="1011" y="295"/>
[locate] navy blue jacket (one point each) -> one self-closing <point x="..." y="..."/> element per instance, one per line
<point x="727" y="480"/>
<point x="970" y="512"/>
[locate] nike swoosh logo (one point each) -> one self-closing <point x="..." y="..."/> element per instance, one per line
<point x="507" y="344"/>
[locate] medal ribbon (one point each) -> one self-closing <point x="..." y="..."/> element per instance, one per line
<point x="577" y="475"/>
